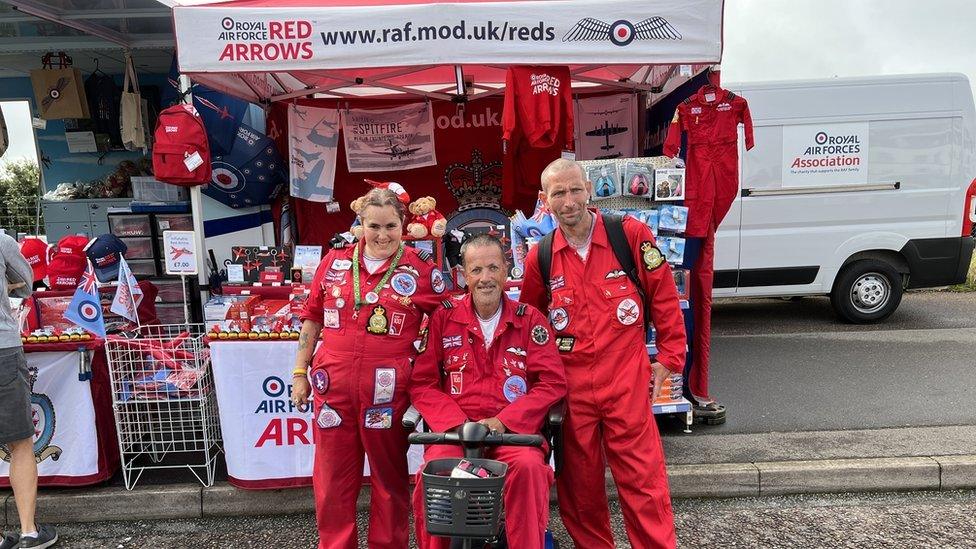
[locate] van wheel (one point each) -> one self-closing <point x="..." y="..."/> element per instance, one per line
<point x="867" y="291"/>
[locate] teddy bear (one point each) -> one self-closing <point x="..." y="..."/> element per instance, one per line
<point x="426" y="220"/>
<point x="357" y="226"/>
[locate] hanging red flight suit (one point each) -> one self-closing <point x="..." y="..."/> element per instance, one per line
<point x="710" y="118"/>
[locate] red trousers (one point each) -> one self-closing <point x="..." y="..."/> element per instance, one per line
<point x="609" y="421"/>
<point x="526" y="496"/>
<point x="338" y="468"/>
<point x="702" y="278"/>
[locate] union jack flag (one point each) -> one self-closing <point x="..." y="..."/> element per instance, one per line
<point x="88" y="282"/>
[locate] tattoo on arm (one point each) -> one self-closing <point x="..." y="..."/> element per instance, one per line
<point x="303" y="341"/>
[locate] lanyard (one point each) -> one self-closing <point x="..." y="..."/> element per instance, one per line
<point x="356" y="288"/>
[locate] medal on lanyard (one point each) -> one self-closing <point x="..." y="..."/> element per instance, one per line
<point x="373" y="296"/>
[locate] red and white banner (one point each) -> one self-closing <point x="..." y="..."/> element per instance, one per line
<point x="65" y="437"/>
<point x="275" y="37"/>
<point x="267" y="442"/>
<point x="383" y="140"/>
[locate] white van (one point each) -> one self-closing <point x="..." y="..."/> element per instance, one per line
<point x="856" y="188"/>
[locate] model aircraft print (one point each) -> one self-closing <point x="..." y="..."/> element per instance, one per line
<point x="300" y="113"/>
<point x="179" y="252"/>
<point x="306" y="155"/>
<point x="605" y="112"/>
<point x="395" y="152"/>
<point x="311" y="176"/>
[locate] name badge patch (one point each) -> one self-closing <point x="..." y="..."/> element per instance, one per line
<point x="330" y="318"/>
<point x="341" y="264"/>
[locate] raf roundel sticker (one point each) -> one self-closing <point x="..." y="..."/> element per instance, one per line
<point x="540" y="334"/>
<point x="320" y="380"/>
<point x="627" y="312"/>
<point x="559" y="319"/>
<point x="404" y="284"/>
<point x="515" y="387"/>
<point x="651" y="255"/>
<point x="437" y="281"/>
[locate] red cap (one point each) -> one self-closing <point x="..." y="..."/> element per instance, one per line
<point x="65" y="270"/>
<point x="34" y="251"/>
<point x="72" y="245"/>
<point x="393" y="186"/>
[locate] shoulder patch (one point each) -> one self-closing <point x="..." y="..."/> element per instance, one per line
<point x="651" y="255"/>
<point x="688" y="99"/>
<point x="520" y="310"/>
<point x="448" y="304"/>
<point x="425" y="255"/>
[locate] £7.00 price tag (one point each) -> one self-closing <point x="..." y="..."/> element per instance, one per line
<point x="179" y="248"/>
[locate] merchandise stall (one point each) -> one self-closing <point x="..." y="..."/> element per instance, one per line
<point x="304" y="55"/>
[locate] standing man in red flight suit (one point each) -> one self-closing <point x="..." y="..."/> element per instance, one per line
<point x="711" y="118"/>
<point x="492" y="360"/>
<point x="598" y="316"/>
<point x="367" y="302"/>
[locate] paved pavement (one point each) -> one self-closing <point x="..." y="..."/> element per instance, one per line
<point x="904" y="520"/>
<point x="792" y="366"/>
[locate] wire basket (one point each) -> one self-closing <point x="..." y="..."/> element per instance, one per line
<point x="164" y="402"/>
<point x="463" y="507"/>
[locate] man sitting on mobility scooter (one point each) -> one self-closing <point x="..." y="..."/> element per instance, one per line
<point x="492" y="360"/>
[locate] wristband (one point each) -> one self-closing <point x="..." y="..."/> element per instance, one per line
<point x="299" y="372"/>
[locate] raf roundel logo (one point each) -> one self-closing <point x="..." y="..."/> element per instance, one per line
<point x="273" y="386"/>
<point x="622" y="32"/>
<point x="88" y="311"/>
<point x="821" y="138"/>
<point x="227" y="23"/>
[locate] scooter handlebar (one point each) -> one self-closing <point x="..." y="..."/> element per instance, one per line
<point x="476" y="435"/>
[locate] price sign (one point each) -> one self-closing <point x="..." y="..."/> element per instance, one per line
<point x="180" y="252"/>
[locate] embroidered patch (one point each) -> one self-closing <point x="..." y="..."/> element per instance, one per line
<point x="327" y="418"/>
<point x="408" y="269"/>
<point x="651" y="255"/>
<point x="514" y="388"/>
<point x="437" y="281"/>
<point x="457" y="382"/>
<point x="397" y="320"/>
<point x="384" y="384"/>
<point x="449" y="342"/>
<point x="696" y="110"/>
<point x="615" y="274"/>
<point x="559" y="319"/>
<point x="330" y="318"/>
<point x="627" y="312"/>
<point x="341" y="264"/>
<point x="540" y="334"/>
<point x="557" y="282"/>
<point x="404" y="284"/>
<point x="320" y="380"/>
<point x="378" y="418"/>
<point x="565" y="344"/>
<point x="516" y="351"/>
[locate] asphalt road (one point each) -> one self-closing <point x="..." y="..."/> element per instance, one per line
<point x="906" y="521"/>
<point x="793" y="366"/>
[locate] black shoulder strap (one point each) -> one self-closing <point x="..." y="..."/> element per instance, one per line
<point x="520" y="310"/>
<point x="545" y="258"/>
<point x="731" y="96"/>
<point x="614" y="225"/>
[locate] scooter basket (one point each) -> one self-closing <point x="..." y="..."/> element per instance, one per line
<point x="463" y="507"/>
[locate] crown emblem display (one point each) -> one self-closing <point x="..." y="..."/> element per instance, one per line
<point x="475" y="185"/>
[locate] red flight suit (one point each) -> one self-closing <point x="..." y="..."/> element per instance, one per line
<point x="359" y="384"/>
<point x="710" y="118"/>
<point x="596" y="312"/>
<point x="537" y="124"/>
<point x="517" y="379"/>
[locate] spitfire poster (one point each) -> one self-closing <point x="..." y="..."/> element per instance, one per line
<point x="380" y="140"/>
<point x="606" y="127"/>
<point x="313" y="141"/>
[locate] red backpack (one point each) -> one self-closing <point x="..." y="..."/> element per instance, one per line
<point x="181" y="144"/>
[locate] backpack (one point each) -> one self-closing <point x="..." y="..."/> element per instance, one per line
<point x="180" y="144"/>
<point x="614" y="225"/>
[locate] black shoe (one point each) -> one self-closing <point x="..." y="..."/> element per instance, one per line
<point x="47" y="536"/>
<point x="712" y="413"/>
<point x="10" y="541"/>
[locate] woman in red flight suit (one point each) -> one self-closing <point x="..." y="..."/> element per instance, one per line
<point x="367" y="301"/>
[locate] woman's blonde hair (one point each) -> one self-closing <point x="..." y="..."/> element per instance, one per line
<point x="382" y="198"/>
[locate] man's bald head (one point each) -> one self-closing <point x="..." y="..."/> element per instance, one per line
<point x="559" y="166"/>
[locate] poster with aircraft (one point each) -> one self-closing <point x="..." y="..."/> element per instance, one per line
<point x="312" y="144"/>
<point x="399" y="138"/>
<point x="606" y="127"/>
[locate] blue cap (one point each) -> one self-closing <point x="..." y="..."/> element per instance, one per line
<point x="105" y="253"/>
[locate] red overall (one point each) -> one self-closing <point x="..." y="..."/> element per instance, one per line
<point x="537" y="124"/>
<point x="710" y="118"/>
<point x="359" y="383"/>
<point x="596" y="312"/>
<point x="516" y="380"/>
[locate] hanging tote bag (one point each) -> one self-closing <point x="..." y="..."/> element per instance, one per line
<point x="130" y="118"/>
